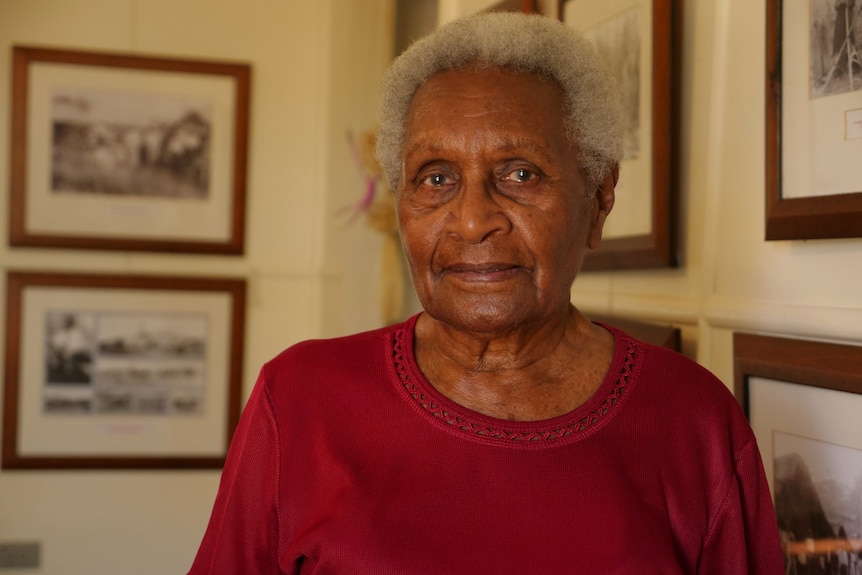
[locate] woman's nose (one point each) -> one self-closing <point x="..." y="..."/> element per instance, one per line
<point x="477" y="214"/>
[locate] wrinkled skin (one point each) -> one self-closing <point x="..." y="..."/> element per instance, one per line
<point x="495" y="216"/>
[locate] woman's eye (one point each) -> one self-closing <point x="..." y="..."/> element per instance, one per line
<point x="435" y="180"/>
<point x="520" y="175"/>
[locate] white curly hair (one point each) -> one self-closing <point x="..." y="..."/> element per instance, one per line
<point x="522" y="43"/>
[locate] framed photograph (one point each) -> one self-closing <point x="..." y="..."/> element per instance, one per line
<point x="123" y="152"/>
<point x="108" y="371"/>
<point x="813" y="119"/>
<point x="639" y="41"/>
<point x="804" y="400"/>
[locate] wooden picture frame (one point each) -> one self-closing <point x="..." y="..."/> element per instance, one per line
<point x="813" y="129"/>
<point x="526" y="6"/>
<point x="125" y="152"/>
<point x="110" y="371"/>
<point x="642" y="230"/>
<point x="803" y="399"/>
<point x="661" y="335"/>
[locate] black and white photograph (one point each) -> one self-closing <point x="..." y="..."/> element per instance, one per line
<point x="108" y="371"/>
<point x="813" y="81"/>
<point x="125" y="363"/>
<point x="639" y="39"/>
<point x="123" y="151"/>
<point x="618" y="41"/>
<point x="836" y="47"/>
<point x="818" y="501"/>
<point x="130" y="143"/>
<point x="803" y="398"/>
<point x="69" y="348"/>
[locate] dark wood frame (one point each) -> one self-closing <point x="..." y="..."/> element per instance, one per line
<point x="661" y="335"/>
<point x="240" y="74"/>
<point x="829" y="366"/>
<point x="832" y="216"/>
<point x="15" y="286"/>
<point x="815" y="363"/>
<point x="526" y="6"/>
<point x="658" y="248"/>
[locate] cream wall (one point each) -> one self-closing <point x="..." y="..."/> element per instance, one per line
<point x="316" y="67"/>
<point x="315" y="70"/>
<point x="809" y="289"/>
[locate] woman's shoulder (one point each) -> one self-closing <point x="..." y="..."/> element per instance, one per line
<point x="670" y="375"/>
<point x="332" y="348"/>
<point x="680" y="392"/>
<point x="656" y="359"/>
<point x="354" y="353"/>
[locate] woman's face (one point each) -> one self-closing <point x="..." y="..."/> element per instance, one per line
<point x="494" y="212"/>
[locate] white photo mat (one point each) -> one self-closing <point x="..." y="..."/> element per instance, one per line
<point x="821" y="142"/>
<point x="824" y="415"/>
<point x="632" y="213"/>
<point x="116" y="216"/>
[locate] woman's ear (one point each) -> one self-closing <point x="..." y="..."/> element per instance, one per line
<point x="605" y="203"/>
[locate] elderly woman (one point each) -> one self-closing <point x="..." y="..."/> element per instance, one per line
<point x="499" y="431"/>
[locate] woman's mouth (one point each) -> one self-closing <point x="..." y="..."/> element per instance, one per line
<point x="482" y="272"/>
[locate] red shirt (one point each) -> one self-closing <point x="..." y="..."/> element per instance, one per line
<point x="347" y="461"/>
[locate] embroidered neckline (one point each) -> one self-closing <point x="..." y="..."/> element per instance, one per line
<point x="570" y="427"/>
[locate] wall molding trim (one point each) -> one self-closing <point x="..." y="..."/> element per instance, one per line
<point x="832" y="323"/>
<point x="676" y="309"/>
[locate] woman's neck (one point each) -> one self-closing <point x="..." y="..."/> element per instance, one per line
<point x="530" y="374"/>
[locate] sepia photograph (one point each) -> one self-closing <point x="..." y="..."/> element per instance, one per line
<point x="836" y="60"/>
<point x="618" y="42"/>
<point x="130" y="143"/>
<point x="818" y="501"/>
